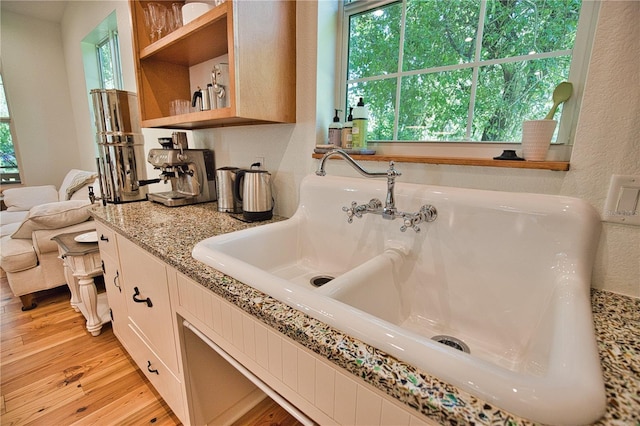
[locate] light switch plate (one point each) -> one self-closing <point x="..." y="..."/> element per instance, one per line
<point x="622" y="200"/>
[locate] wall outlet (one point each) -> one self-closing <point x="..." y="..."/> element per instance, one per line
<point x="622" y="200"/>
<point x="261" y="161"/>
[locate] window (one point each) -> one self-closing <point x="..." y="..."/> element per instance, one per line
<point x="108" y="57"/>
<point x="9" y="171"/>
<point x="101" y="56"/>
<point x="460" y="70"/>
<point x="101" y="59"/>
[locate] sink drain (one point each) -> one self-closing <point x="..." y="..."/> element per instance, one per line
<point x="452" y="342"/>
<point x="320" y="280"/>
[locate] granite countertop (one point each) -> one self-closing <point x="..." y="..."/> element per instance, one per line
<point x="171" y="233"/>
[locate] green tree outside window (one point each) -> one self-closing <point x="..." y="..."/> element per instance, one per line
<point x="459" y="70"/>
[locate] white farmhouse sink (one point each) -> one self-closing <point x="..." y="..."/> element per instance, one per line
<point x="506" y="274"/>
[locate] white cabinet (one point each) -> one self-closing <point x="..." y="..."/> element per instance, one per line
<point x="137" y="286"/>
<point x="147" y="296"/>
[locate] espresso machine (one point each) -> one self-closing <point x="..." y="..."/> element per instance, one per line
<point x="191" y="173"/>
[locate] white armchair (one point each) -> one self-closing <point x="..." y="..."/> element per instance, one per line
<point x="33" y="216"/>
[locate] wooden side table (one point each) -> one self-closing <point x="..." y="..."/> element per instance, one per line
<point x="81" y="263"/>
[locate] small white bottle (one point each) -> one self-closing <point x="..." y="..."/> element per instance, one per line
<point x="335" y="131"/>
<point x="359" y="129"/>
<point x="347" y="142"/>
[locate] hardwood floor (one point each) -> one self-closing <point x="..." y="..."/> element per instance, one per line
<point x="267" y="413"/>
<point x="53" y="372"/>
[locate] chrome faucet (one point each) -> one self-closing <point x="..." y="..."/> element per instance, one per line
<point x="389" y="211"/>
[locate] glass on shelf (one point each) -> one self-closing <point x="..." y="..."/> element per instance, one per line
<point x="175" y="16"/>
<point x="180" y="106"/>
<point x="157" y="20"/>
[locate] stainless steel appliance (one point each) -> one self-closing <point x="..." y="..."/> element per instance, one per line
<point x="253" y="189"/>
<point x="225" y="178"/>
<point x="120" y="146"/>
<point x="191" y="173"/>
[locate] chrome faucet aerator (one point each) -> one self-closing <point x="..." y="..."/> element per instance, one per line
<point x="427" y="213"/>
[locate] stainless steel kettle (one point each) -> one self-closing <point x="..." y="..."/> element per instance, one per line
<point x="226" y="176"/>
<point x="252" y="188"/>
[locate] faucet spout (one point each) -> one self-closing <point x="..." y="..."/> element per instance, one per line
<point x="351" y="161"/>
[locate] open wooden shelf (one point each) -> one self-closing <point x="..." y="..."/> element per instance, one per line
<point x="201" y="39"/>
<point x="258" y="39"/>
<point x="561" y="166"/>
<point x="201" y="120"/>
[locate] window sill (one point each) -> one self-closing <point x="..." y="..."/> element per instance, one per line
<point x="457" y="161"/>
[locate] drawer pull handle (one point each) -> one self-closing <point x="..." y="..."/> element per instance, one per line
<point x="103" y="238"/>
<point x="117" y="277"/>
<point x="135" y="299"/>
<point x="151" y="370"/>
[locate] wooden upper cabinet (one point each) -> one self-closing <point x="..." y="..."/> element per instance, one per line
<point x="258" y="39"/>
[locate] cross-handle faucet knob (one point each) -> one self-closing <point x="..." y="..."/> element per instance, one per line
<point x="357" y="210"/>
<point x="409" y="223"/>
<point x="427" y="213"/>
<point x="352" y="211"/>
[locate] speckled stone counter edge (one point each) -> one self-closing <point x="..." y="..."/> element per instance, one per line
<point x="171" y="233"/>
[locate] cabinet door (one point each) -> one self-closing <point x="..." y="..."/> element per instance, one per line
<point x="106" y="240"/>
<point x="115" y="294"/>
<point x="112" y="280"/>
<point x="147" y="297"/>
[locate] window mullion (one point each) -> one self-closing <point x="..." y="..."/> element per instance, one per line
<point x="100" y="65"/>
<point x="344" y="74"/>
<point x="476" y="67"/>
<point x="115" y="59"/>
<point x="396" y="119"/>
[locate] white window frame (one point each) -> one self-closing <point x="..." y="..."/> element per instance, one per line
<point x="560" y="150"/>
<point x="7" y="119"/>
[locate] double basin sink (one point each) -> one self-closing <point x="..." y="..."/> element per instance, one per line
<point x="492" y="297"/>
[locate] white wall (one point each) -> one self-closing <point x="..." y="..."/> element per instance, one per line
<point x="607" y="139"/>
<point x="35" y="77"/>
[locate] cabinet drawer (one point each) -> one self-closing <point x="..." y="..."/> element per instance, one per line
<point x="147" y="297"/>
<point x="160" y="376"/>
<point x="107" y="240"/>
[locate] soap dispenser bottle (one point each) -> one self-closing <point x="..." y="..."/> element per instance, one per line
<point x="359" y="129"/>
<point x="346" y="131"/>
<point x="335" y="131"/>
